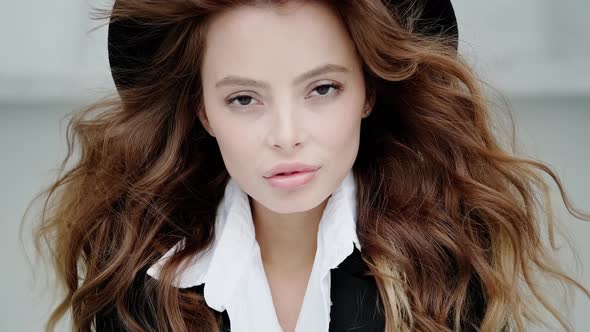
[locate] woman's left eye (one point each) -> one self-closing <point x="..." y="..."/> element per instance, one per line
<point x="324" y="89"/>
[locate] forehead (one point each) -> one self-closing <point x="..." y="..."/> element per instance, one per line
<point x="276" y="41"/>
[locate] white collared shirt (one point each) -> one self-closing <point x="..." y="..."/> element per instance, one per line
<point x="232" y="267"/>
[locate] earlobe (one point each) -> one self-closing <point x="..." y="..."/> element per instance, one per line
<point x="369" y="102"/>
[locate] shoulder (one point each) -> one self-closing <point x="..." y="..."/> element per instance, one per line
<point x="356" y="304"/>
<point x="137" y="300"/>
<point x="141" y="305"/>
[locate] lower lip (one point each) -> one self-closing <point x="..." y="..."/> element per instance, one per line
<point x="292" y="181"/>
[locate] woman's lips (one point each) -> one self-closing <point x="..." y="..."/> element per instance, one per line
<point x="291" y="180"/>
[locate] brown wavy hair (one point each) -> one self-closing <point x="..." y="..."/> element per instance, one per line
<point x="443" y="203"/>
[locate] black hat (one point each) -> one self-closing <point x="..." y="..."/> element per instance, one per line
<point x="131" y="45"/>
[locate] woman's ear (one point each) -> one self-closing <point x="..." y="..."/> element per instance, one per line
<point x="369" y="102"/>
<point x="202" y="115"/>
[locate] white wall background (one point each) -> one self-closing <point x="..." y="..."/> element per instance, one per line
<point x="537" y="52"/>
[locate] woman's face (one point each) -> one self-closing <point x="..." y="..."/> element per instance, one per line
<point x="264" y="107"/>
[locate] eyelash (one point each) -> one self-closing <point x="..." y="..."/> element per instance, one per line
<point x="337" y="88"/>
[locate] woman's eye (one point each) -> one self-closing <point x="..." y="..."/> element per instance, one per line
<point x="243" y="100"/>
<point x="324" y="89"/>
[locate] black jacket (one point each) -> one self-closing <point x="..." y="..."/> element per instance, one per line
<point x="356" y="304"/>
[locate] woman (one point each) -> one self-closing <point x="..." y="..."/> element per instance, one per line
<point x="296" y="166"/>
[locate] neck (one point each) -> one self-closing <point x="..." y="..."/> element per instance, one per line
<point x="288" y="242"/>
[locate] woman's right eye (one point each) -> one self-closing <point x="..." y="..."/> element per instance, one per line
<point x="243" y="101"/>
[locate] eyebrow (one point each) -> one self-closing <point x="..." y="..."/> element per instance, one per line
<point x="244" y="81"/>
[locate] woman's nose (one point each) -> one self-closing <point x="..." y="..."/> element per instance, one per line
<point x="285" y="131"/>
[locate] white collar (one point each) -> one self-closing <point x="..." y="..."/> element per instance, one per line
<point x="222" y="266"/>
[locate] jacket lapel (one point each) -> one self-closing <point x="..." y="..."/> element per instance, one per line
<point x="356" y="304"/>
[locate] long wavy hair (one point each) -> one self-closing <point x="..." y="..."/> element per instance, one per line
<point x="443" y="203"/>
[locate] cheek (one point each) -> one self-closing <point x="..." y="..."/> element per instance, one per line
<point x="235" y="141"/>
<point x="236" y="146"/>
<point x="341" y="133"/>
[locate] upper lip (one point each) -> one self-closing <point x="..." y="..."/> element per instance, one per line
<point x="290" y="167"/>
